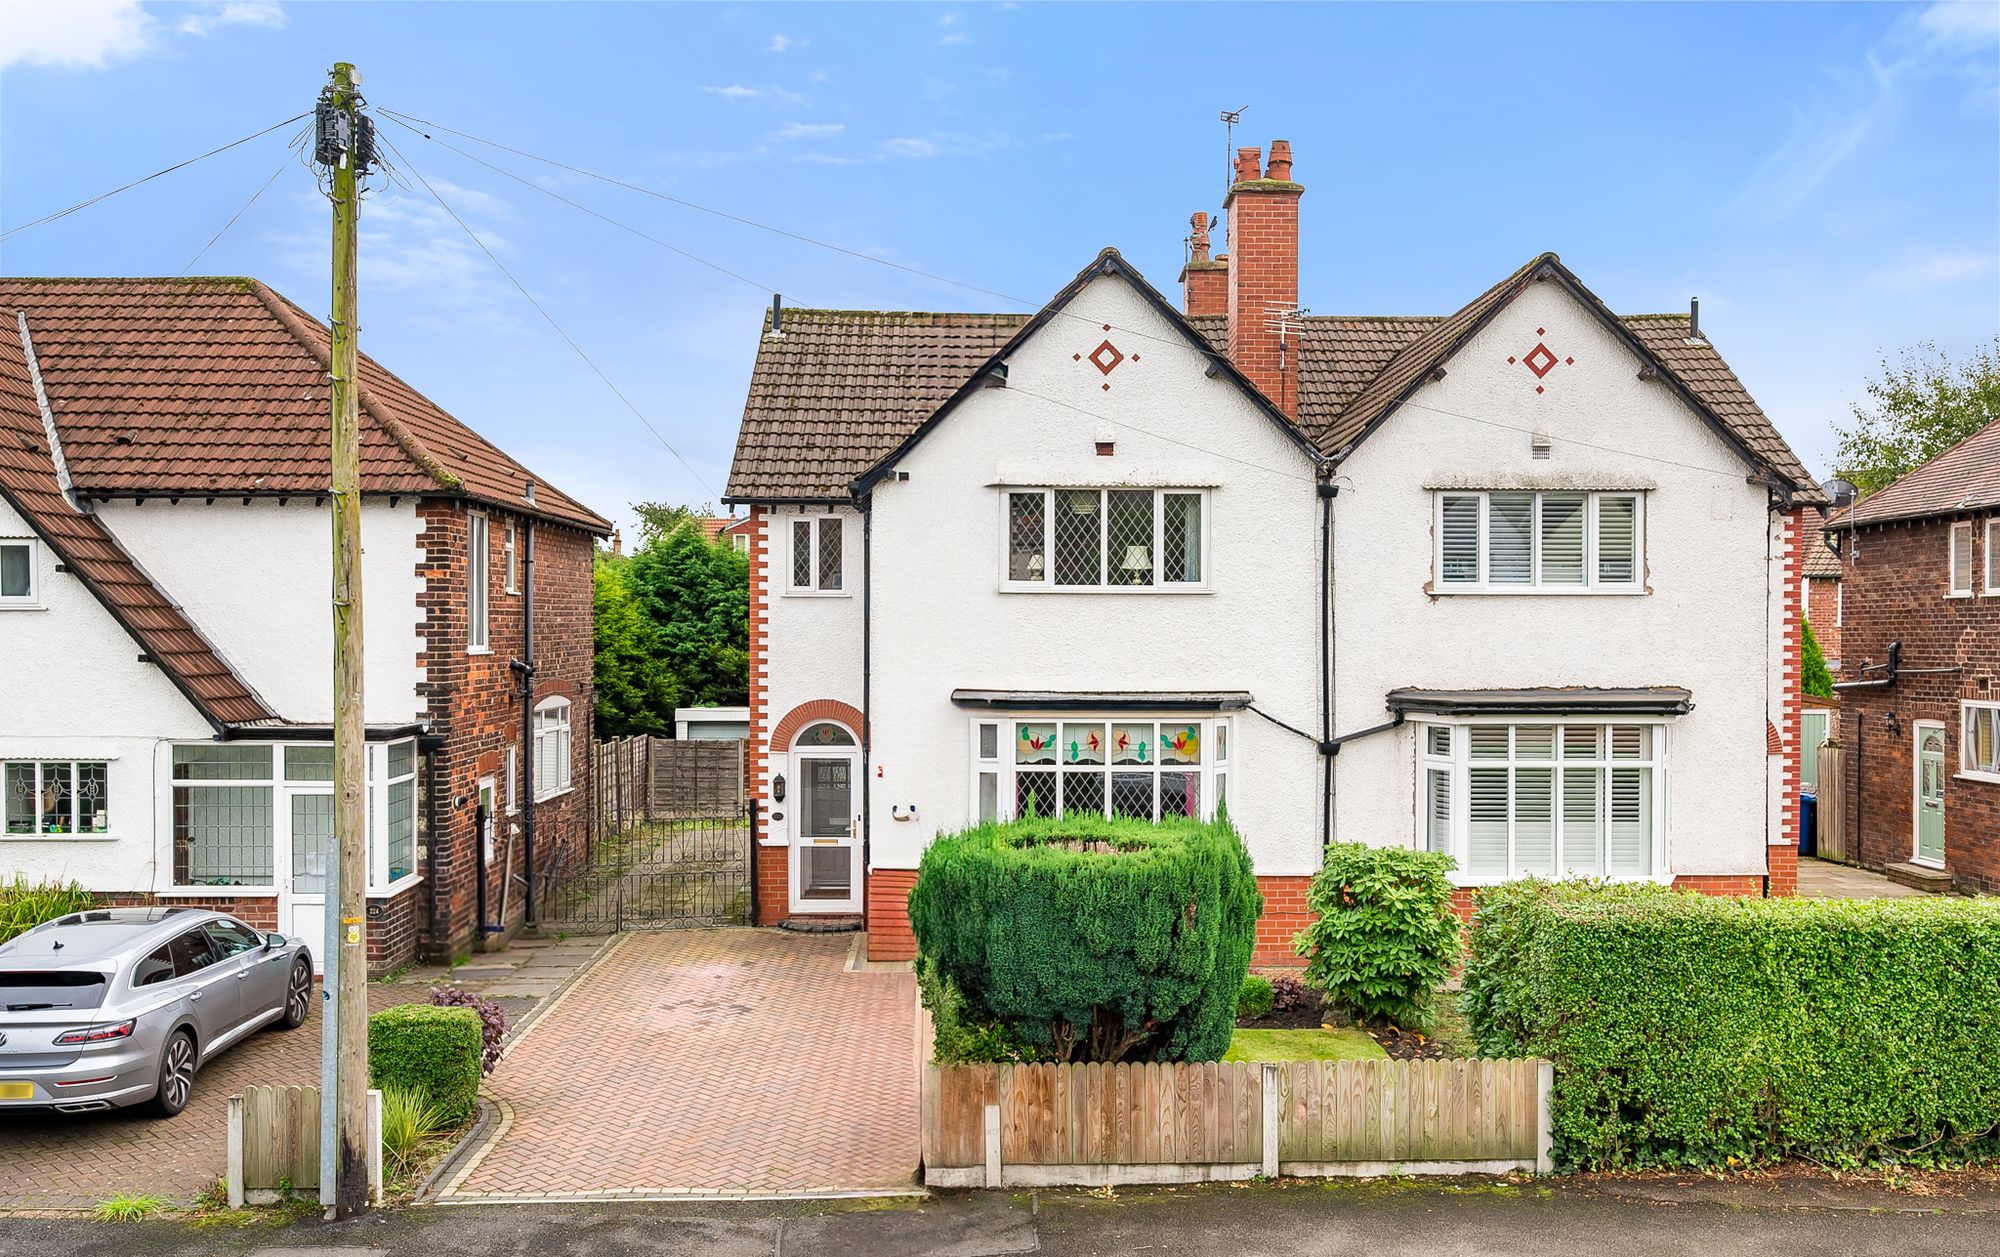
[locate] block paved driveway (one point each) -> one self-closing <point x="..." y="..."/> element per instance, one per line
<point x="708" y="1062"/>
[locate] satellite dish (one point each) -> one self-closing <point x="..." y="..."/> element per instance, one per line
<point x="1841" y="491"/>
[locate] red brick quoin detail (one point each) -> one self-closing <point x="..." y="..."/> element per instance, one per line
<point x="810" y="712"/>
<point x="889" y="936"/>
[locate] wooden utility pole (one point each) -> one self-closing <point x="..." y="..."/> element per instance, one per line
<point x="345" y="147"/>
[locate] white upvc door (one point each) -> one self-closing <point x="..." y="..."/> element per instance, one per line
<point x="307" y="859"/>
<point x="826" y="872"/>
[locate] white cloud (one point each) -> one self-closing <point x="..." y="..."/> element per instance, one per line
<point x="808" y="130"/>
<point x="1965" y="25"/>
<point x="819" y="78"/>
<point x="734" y="91"/>
<point x="955" y="37"/>
<point x="1934" y="270"/>
<point x="782" y="42"/>
<point x="74" y="33"/>
<point x="945" y="144"/>
<point x="264" y="13"/>
<point x="948" y="19"/>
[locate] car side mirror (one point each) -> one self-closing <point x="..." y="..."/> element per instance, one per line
<point x="273" y="940"/>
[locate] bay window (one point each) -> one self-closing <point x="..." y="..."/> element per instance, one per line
<point x="1542" y="798"/>
<point x="54" y="798"/>
<point x="1143" y="768"/>
<point x="1114" y="539"/>
<point x="1531" y="541"/>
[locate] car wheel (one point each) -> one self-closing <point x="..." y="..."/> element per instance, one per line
<point x="298" y="996"/>
<point x="177" y="1061"/>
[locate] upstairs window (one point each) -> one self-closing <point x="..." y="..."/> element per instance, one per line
<point x="1993" y="558"/>
<point x="476" y="548"/>
<point x="1961" y="559"/>
<point x="1115" y="539"/>
<point x="818" y="548"/>
<point x="552" y="747"/>
<point x="508" y="568"/>
<point x="1525" y="541"/>
<point x="17" y="572"/>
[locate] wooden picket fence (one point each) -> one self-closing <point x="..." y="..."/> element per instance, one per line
<point x="1052" y="1125"/>
<point x="274" y="1144"/>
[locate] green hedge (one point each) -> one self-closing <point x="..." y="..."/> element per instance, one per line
<point x="1093" y="939"/>
<point x="421" y="1047"/>
<point x="1690" y="1030"/>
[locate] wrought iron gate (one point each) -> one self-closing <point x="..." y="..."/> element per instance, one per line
<point x="661" y="872"/>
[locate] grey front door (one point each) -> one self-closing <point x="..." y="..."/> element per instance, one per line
<point x="1930" y="793"/>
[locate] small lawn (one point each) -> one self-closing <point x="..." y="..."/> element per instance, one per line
<point x="1344" y="1044"/>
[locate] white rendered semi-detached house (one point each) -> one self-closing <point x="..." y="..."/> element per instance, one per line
<point x="166" y="639"/>
<point x="1519" y="583"/>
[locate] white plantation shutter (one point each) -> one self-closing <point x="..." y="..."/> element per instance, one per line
<point x="1460" y="533"/>
<point x="1437" y="809"/>
<point x="1562" y="538"/>
<point x="1486" y="822"/>
<point x="1512" y="519"/>
<point x="1534" y="822"/>
<point x="1488" y="741"/>
<point x="1617" y="540"/>
<point x="1631" y="822"/>
<point x="1583" y="830"/>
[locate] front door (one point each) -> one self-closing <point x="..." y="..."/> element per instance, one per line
<point x="1930" y="794"/>
<point x="826" y="871"/>
<point x="307" y="861"/>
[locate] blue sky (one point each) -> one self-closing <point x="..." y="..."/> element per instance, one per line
<point x="1825" y="178"/>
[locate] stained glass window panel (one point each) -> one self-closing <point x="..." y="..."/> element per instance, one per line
<point x="1133" y="744"/>
<point x="1180" y="743"/>
<point x="1034" y="744"/>
<point x="93" y="815"/>
<point x="1082" y="744"/>
<point x="20" y="788"/>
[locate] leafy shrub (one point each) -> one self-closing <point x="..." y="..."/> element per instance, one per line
<point x="410" y="1121"/>
<point x="1288" y="993"/>
<point x="492" y="1021"/>
<point x="1384" y="936"/>
<point x="1255" y="999"/>
<point x="960" y="1036"/>
<point x="25" y="905"/>
<point x="1689" y="1030"/>
<point x="421" y="1047"/>
<point x="1090" y="938"/>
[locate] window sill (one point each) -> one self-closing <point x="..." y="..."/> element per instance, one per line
<point x="1013" y="587"/>
<point x="478" y="650"/>
<point x="1470" y="881"/>
<point x="397" y="887"/>
<point x="22" y="606"/>
<point x="1532" y="591"/>
<point x="818" y="593"/>
<point x="58" y="837"/>
<point x="214" y="892"/>
<point x="556" y="794"/>
<point x="1967" y="774"/>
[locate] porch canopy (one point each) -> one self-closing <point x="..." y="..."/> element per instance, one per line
<point x="1179" y="701"/>
<point x="1653" y="700"/>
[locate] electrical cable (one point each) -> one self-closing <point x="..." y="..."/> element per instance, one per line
<point x="244" y="209"/>
<point x="45" y="219"/>
<point x="549" y="318"/>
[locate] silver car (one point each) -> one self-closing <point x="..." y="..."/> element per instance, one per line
<point x="121" y="1006"/>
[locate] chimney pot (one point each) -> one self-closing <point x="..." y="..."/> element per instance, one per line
<point x="1198" y="238"/>
<point x="1248" y="160"/>
<point x="1281" y="161"/>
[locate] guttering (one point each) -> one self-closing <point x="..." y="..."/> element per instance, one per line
<point x="1103" y="700"/>
<point x="315" y="733"/>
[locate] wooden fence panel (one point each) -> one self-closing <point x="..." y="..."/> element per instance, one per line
<point x="1830" y="823"/>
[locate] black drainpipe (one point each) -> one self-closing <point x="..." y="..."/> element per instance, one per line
<point x="867" y="689"/>
<point x="428" y="746"/>
<point x="525" y="668"/>
<point x="1327" y="747"/>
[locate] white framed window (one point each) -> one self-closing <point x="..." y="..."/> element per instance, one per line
<point x="1546" y="798"/>
<point x="1124" y="540"/>
<point x="1961" y="560"/>
<point x="552" y="747"/>
<point x="1839" y="603"/>
<point x="509" y="569"/>
<point x="392" y="831"/>
<point x="18" y="584"/>
<point x="55" y="798"/>
<point x="1518" y="541"/>
<point x="1979" y="740"/>
<point x="1149" y="768"/>
<point x="224" y="818"/>
<point x="477" y="552"/>
<point x="513" y="779"/>
<point x="816" y="556"/>
<point x="1993" y="555"/>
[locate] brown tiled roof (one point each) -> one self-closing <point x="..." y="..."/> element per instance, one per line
<point x="219" y="386"/>
<point x="87" y="549"/>
<point x="1821" y="562"/>
<point x="1965" y="477"/>
<point x="842" y="388"/>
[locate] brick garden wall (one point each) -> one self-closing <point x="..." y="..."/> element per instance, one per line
<point x="1897" y="578"/>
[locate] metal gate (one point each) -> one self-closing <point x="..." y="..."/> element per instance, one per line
<point x="659" y="872"/>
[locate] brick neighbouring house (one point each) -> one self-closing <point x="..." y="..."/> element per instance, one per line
<point x="1920" y="689"/>
<point x="997" y="558"/>
<point x="163" y="479"/>
<point x="1826" y="607"/>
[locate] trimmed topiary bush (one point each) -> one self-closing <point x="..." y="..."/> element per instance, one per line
<point x="1093" y="939"/>
<point x="1384" y="937"/>
<point x="1690" y="1030"/>
<point x="421" y="1047"/>
<point x="1255" y="999"/>
<point x="961" y="1036"/>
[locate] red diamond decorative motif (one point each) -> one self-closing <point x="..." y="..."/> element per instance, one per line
<point x="1106" y="358"/>
<point x="1541" y="360"/>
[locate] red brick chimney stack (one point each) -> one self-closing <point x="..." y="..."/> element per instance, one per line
<point x="1263" y="271"/>
<point x="1204" y="280"/>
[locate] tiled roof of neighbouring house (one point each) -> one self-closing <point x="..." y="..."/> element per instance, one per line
<point x="1965" y="477"/>
<point x="80" y="541"/>
<point x="193" y="386"/>
<point x="1821" y="562"/>
<point x="842" y="388"/>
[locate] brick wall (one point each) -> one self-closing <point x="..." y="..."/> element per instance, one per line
<point x="773" y="872"/>
<point x="395" y="928"/>
<point x="473" y="702"/>
<point x="889" y="936"/>
<point x="1284" y="916"/>
<point x="1897" y="576"/>
<point x="1793" y="552"/>
<point x="1263" y="208"/>
<point x="260" y="911"/>
<point x="1824" y="610"/>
